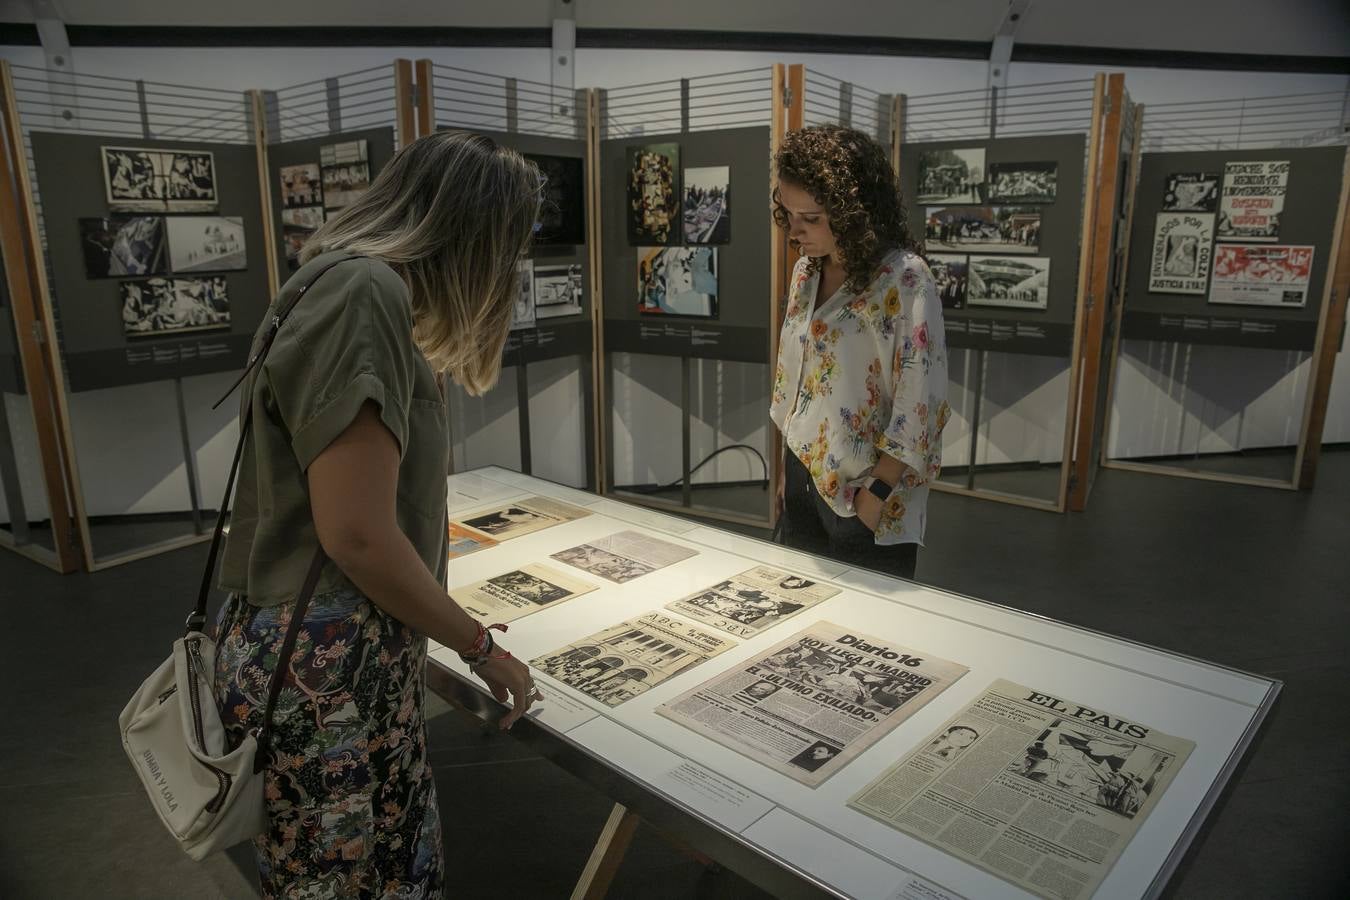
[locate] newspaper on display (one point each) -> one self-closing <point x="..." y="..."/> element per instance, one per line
<point x="515" y="594"/>
<point x="623" y="556"/>
<point x="811" y="703"/>
<point x="523" y="517"/>
<point x="1043" y="792"/>
<point x="746" y="604"/>
<point x="630" y="658"/>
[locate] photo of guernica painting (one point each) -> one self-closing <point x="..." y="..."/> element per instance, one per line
<point x="206" y="244"/>
<point x="677" y="281"/>
<point x="983" y="229"/>
<point x="140" y="179"/>
<point x="162" y="306"/>
<point x="952" y="176"/>
<point x="1019" y="282"/>
<point x="1027" y="182"/>
<point x="707" y="205"/>
<point x="1182" y="247"/>
<point x="1261" y="275"/>
<point x="653" y="195"/>
<point x="123" y="245"/>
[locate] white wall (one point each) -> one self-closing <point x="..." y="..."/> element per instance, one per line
<point x="142" y="471"/>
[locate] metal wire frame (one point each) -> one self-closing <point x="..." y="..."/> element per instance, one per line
<point x="1316" y="118"/>
<point x="352" y="102"/>
<point x="833" y="101"/>
<point x="737" y="99"/>
<point x="482" y="101"/>
<point x="1049" y="107"/>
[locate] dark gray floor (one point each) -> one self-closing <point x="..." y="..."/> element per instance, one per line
<point x="1254" y="578"/>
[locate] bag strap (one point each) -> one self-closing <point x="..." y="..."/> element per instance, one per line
<point x="264" y="736"/>
<point x="196" y="621"/>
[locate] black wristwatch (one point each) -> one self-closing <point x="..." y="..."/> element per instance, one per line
<point x="880" y="489"/>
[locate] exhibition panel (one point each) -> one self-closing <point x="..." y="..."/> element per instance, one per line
<point x="827" y="731"/>
<point x="996" y="184"/>
<point x="544" y="403"/>
<point x="1228" y="302"/>
<point x="687" y="319"/>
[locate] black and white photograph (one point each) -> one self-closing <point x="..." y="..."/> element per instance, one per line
<point x="983" y="229"/>
<point x="296" y="227"/>
<point x="557" y="291"/>
<point x="951" y="274"/>
<point x="345" y="170"/>
<point x="522" y="312"/>
<point x="707" y="205"/>
<point x="1113" y="773"/>
<point x="953" y="741"/>
<point x="530" y="587"/>
<point x="654" y="194"/>
<point x="1182" y="247"/>
<point x="1192" y="192"/>
<point x="952" y="176"/>
<point x="206" y="244"/>
<point x="1023" y="182"/>
<point x="508" y="520"/>
<point x="1019" y="282"/>
<point x="677" y="281"/>
<point x="123" y="245"/>
<point x="301" y="185"/>
<point x="874" y="689"/>
<point x="163" y="306"/>
<point x="610" y="566"/>
<point x="759" y="690"/>
<point x="815" y="756"/>
<point x="140" y="179"/>
<point x="562" y="218"/>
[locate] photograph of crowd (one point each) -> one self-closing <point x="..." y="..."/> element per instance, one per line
<point x="1022" y="282"/>
<point x="159" y="306"/>
<point x="983" y="229"/>
<point x="206" y="244"/>
<point x="952" y="176"/>
<point x="951" y="274"/>
<point x="123" y="245"/>
<point x="653" y="196"/>
<point x="707" y="205"/>
<point x="301" y="185"/>
<point x="345" y="170"/>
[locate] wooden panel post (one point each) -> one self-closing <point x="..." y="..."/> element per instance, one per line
<point x="1102" y="196"/>
<point x="607" y="856"/>
<point x="1330" y="327"/>
<point x="787" y="100"/>
<point x="35" y="330"/>
<point x="426" y="98"/>
<point x="898" y="104"/>
<point x="405" y="115"/>
<point x="260" y="138"/>
<point x="594" y="234"/>
<point x="1080" y="319"/>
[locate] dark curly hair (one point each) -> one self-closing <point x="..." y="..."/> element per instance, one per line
<point x="850" y="176"/>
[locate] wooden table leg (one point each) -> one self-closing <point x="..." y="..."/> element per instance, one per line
<point x="607" y="856"/>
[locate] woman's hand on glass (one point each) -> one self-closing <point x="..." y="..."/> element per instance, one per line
<point x="508" y="677"/>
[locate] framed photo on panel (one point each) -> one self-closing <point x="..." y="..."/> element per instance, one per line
<point x="140" y="179"/>
<point x="1017" y="282"/>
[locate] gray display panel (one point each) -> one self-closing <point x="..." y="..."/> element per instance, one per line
<point x="379" y="149"/>
<point x="1045" y="332"/>
<point x="1308" y="218"/>
<point x="11" y="367"/>
<point x="740" y="331"/>
<point x="94" y="345"/>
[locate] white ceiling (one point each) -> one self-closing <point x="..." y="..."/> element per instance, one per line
<point x="1294" y="27"/>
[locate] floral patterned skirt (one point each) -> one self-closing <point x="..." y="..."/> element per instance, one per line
<point x="350" y="798"/>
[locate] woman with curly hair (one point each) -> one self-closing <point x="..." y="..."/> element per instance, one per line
<point x="860" y="390"/>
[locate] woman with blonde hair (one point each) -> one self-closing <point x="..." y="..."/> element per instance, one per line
<point x="348" y="453"/>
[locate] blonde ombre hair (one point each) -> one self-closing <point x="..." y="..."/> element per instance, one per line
<point x="453" y="213"/>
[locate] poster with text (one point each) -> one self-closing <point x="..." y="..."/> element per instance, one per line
<point x="1261" y="275"/>
<point x="1253" y="198"/>
<point x="1182" y="246"/>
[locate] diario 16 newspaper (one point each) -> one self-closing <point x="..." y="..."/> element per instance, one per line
<point x="1041" y="791"/>
<point x="808" y="705"/>
<point x="630" y="658"/>
<point x="746" y="604"/>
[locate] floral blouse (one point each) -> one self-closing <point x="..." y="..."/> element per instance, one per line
<point x="863" y="374"/>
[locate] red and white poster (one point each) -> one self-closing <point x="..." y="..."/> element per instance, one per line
<point x="1261" y="275"/>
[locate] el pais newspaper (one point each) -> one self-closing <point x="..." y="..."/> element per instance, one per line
<point x="811" y="703"/>
<point x="1041" y="791"/>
